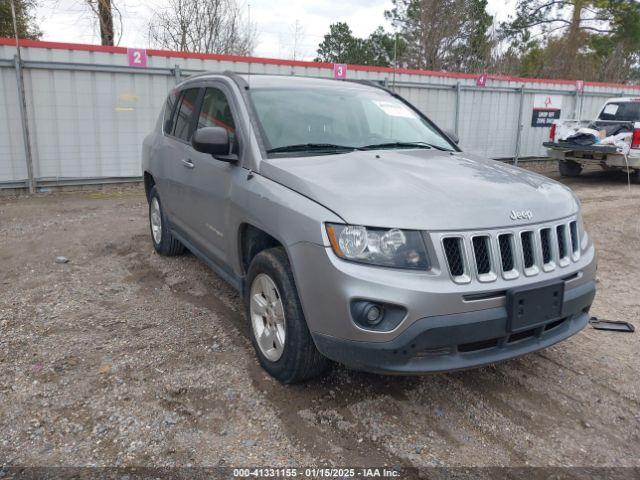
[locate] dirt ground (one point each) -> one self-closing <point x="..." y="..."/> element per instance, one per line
<point x="122" y="357"/>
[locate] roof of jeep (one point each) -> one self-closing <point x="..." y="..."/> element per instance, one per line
<point x="290" y="81"/>
<point x="286" y="81"/>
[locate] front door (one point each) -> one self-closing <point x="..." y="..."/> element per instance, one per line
<point x="211" y="179"/>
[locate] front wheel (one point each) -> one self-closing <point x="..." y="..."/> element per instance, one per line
<point x="569" y="168"/>
<point x="279" y="331"/>
<point x="163" y="240"/>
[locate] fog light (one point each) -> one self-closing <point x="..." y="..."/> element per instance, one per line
<point x="376" y="316"/>
<point x="373" y="314"/>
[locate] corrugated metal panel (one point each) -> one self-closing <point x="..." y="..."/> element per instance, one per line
<point x="13" y="166"/>
<point x="87" y="124"/>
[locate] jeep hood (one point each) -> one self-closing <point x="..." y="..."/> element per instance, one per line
<point x="422" y="189"/>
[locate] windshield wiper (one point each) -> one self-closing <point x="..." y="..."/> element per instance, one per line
<point x="376" y="146"/>
<point x="306" y="147"/>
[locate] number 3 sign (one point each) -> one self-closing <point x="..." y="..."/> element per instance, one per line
<point x="137" y="57"/>
<point x="339" y="71"/>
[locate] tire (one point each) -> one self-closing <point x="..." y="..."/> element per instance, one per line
<point x="294" y="358"/>
<point x="163" y="240"/>
<point x="569" y="168"/>
<point x="634" y="177"/>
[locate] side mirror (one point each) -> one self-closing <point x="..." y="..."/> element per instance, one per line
<point x="215" y="141"/>
<point x="452" y="136"/>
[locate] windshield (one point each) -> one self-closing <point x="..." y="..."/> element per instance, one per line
<point x="342" y="118"/>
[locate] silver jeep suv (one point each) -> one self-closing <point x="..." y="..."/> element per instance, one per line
<point x="359" y="232"/>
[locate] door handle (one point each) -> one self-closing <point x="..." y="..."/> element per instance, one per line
<point x="187" y="163"/>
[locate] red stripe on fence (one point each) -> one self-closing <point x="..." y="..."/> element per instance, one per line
<point x="298" y="63"/>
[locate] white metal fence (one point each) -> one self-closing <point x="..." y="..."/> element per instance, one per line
<point x="88" y="110"/>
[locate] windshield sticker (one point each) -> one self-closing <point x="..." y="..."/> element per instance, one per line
<point x="610" y="109"/>
<point x="394" y="109"/>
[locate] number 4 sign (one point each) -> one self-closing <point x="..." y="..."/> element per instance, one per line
<point x="137" y="57"/>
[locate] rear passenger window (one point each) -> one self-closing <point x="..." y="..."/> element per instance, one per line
<point x="184" y="116"/>
<point x="215" y="111"/>
<point x="621" y="112"/>
<point x="168" y="112"/>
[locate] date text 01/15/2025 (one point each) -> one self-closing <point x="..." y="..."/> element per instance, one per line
<point x="315" y="472"/>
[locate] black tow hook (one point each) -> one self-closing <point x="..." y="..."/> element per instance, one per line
<point x="611" y="325"/>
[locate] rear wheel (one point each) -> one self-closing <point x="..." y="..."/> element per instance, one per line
<point x="279" y="331"/>
<point x="163" y="240"/>
<point x="569" y="168"/>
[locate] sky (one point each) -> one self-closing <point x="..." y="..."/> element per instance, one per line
<point x="275" y="21"/>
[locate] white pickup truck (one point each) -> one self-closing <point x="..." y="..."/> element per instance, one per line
<point x="611" y="141"/>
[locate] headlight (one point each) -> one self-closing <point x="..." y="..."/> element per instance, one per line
<point x="378" y="246"/>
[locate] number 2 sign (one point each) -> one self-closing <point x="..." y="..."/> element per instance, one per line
<point x="137" y="57"/>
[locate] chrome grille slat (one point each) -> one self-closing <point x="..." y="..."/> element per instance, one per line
<point x="562" y="247"/>
<point x="573" y="227"/>
<point x="529" y="251"/>
<point x="505" y="241"/>
<point x="545" y="244"/>
<point x="482" y="256"/>
<point x="454" y="252"/>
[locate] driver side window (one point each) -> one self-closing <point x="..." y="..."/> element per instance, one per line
<point x="216" y="112"/>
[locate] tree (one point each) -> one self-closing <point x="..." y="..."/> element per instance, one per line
<point x="443" y="34"/>
<point x="384" y="48"/>
<point x="580" y="39"/>
<point x="338" y="46"/>
<point x="297" y="36"/>
<point x="475" y="51"/>
<point x="561" y="18"/>
<point x="103" y="11"/>
<point x="25" y="20"/>
<point x="214" y="26"/>
<point x="341" y="46"/>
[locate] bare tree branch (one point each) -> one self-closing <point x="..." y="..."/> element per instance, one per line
<point x="214" y="26"/>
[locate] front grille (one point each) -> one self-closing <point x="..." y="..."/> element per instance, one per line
<point x="518" y="252"/>
<point x="528" y="255"/>
<point x="481" y="252"/>
<point x="545" y="243"/>
<point x="453" y="251"/>
<point x="562" y="248"/>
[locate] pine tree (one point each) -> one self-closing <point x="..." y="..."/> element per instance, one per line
<point x="443" y="34"/>
<point x="25" y="20"/>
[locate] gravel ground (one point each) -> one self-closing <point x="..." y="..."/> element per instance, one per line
<point x="121" y="357"/>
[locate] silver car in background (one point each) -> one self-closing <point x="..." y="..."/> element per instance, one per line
<point x="358" y="231"/>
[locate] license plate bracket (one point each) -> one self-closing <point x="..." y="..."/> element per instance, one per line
<point x="530" y="307"/>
